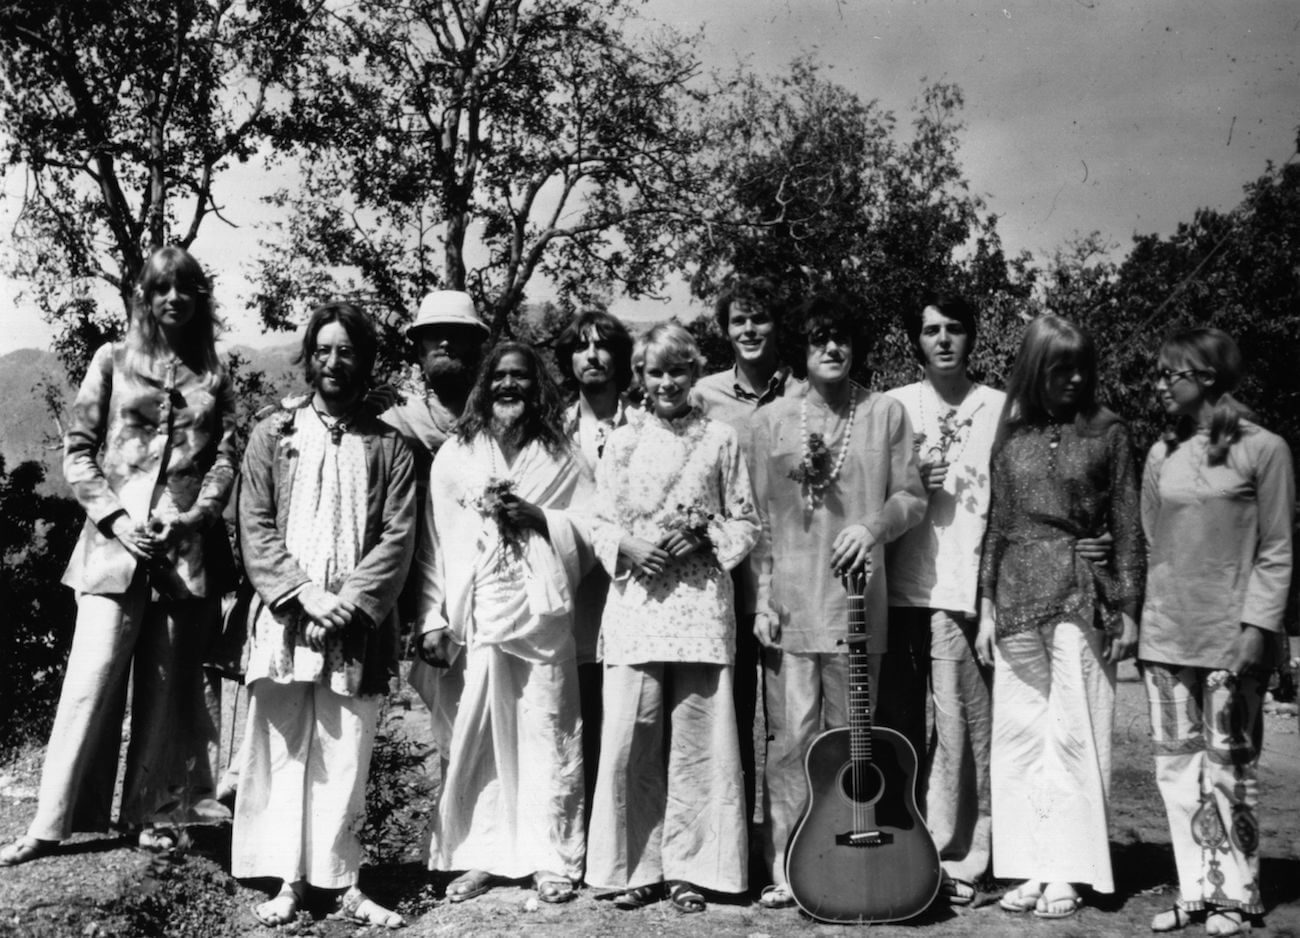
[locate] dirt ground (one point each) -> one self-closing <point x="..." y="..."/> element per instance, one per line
<point x="98" y="886"/>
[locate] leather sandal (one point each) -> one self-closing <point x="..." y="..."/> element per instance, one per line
<point x="554" y="888"/>
<point x="640" y="896"/>
<point x="685" y="897"/>
<point x="957" y="891"/>
<point x="1023" y="898"/>
<point x="1220" y="922"/>
<point x="1175" y="918"/>
<point x="776" y="896"/>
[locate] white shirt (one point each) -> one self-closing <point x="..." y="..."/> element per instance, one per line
<point x="950" y="537"/>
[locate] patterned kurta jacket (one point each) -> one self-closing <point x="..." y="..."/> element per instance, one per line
<point x="265" y="491"/>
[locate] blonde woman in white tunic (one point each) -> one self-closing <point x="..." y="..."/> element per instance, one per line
<point x="674" y="493"/>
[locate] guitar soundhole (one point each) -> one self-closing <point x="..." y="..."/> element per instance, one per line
<point x="862" y="786"/>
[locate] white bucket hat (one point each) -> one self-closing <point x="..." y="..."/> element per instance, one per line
<point x="446" y="308"/>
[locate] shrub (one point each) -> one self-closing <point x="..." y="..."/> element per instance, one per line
<point x="37" y="533"/>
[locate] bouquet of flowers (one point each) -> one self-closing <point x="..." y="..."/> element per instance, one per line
<point x="492" y="504"/>
<point x="691" y="519"/>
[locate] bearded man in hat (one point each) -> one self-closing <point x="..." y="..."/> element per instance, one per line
<point x="499" y="562"/>
<point x="448" y="337"/>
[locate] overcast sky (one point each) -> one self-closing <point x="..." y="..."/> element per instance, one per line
<point x="1081" y="114"/>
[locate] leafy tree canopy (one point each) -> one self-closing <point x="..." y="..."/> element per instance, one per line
<point x="818" y="190"/>
<point x="121" y="116"/>
<point x="477" y="145"/>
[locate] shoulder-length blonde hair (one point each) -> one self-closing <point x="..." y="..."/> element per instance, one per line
<point x="672" y="342"/>
<point x="144" y="339"/>
<point x="1050" y="342"/>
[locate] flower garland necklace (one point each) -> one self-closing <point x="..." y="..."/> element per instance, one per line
<point x="642" y="499"/>
<point x="815" y="471"/>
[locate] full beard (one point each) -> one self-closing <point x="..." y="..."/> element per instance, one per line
<point x="509" y="423"/>
<point x="448" y="378"/>
<point x="342" y="390"/>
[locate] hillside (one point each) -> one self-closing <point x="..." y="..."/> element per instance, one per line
<point x="28" y="428"/>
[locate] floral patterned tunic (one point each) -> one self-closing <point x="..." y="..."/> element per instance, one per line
<point x="652" y="473"/>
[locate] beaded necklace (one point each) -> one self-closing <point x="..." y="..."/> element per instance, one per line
<point x="811" y="470"/>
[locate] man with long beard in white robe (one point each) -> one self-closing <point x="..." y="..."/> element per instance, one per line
<point x="500" y="561"/>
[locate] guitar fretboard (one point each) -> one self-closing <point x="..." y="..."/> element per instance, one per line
<point x="859" y="680"/>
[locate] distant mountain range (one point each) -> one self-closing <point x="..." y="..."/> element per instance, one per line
<point x="29" y="430"/>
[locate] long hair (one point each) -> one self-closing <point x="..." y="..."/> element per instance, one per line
<point x="359" y="327"/>
<point x="1208" y="353"/>
<point x="544" y="412"/>
<point x="606" y="329"/>
<point x="824" y="311"/>
<point x="144" y="338"/>
<point x="1050" y="342"/>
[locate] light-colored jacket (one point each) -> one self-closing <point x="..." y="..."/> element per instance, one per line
<point x="113" y="457"/>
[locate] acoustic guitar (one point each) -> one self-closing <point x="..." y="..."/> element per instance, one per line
<point x="861" y="853"/>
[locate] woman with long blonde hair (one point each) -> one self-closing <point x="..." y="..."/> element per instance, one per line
<point x="1054" y="623"/>
<point x="149" y="453"/>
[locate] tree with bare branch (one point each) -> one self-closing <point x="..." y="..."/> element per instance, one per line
<point x="117" y="120"/>
<point x="481" y="146"/>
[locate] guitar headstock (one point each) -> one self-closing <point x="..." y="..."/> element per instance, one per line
<point x="855" y="583"/>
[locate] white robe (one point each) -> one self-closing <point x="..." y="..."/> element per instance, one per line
<point x="509" y="704"/>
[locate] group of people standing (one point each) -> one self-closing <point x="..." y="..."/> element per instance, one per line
<point x="606" y="597"/>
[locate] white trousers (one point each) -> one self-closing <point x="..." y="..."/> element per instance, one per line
<point x="302" y="787"/>
<point x="957" y="780"/>
<point x="1053" y="706"/>
<point x="171" y="727"/>
<point x="670" y="801"/>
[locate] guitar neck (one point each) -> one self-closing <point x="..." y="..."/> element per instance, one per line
<point x="859" y="679"/>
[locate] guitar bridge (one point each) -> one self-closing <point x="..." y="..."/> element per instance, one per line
<point x="864" y="839"/>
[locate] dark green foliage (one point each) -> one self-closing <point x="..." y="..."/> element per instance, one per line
<point x="399" y="794"/>
<point x="819" y="191"/>
<point x="180" y="897"/>
<point x="36" y="537"/>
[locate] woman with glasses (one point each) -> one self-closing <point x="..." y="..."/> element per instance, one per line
<point x="1218" y="499"/>
<point x="1054" y="623"/>
<point x="149" y="454"/>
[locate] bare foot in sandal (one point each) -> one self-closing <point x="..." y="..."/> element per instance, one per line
<point x="685" y="897"/>
<point x="359" y="909"/>
<point x="282" y="909"/>
<point x="24" y="849"/>
<point x="468" y="885"/>
<point x="554" y="887"/>
<point x="1220" y="922"/>
<point x="776" y="896"/>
